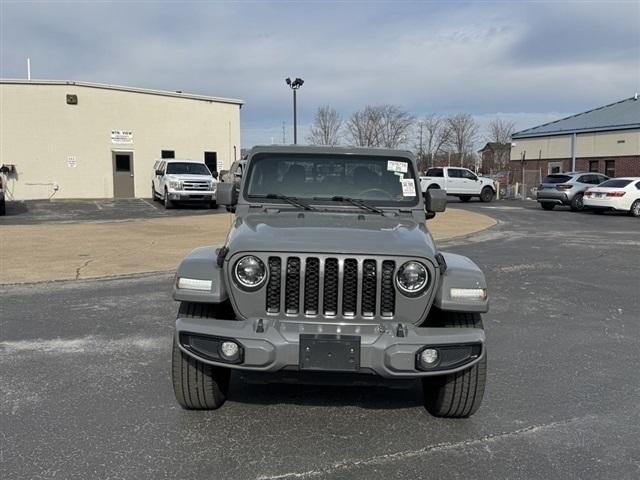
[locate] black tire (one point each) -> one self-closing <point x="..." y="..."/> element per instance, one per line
<point x="464" y="198"/>
<point x="547" y="205"/>
<point x="635" y="209"/>
<point x="577" y="203"/>
<point x="433" y="187"/>
<point x="154" y="197"/>
<point x="3" y="207"/>
<point x="197" y="385"/>
<point x="487" y="194"/>
<point x="168" y="204"/>
<point x="457" y="395"/>
<point x="213" y="205"/>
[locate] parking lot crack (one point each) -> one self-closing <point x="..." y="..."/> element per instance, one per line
<point x="346" y="465"/>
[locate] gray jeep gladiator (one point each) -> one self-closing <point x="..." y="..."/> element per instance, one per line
<point x="329" y="270"/>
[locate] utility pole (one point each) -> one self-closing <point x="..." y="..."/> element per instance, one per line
<point x="524" y="155"/>
<point x="284" y="136"/>
<point x="420" y="148"/>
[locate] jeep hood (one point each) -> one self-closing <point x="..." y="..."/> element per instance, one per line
<point x="348" y="233"/>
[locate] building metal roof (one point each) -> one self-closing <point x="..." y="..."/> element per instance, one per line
<point x="164" y="93"/>
<point x="622" y="115"/>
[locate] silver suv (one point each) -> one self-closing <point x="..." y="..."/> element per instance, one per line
<point x="329" y="268"/>
<point x="567" y="189"/>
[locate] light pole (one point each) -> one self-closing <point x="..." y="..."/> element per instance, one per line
<point x="295" y="85"/>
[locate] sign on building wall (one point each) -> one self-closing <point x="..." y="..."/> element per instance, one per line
<point x="121" y="137"/>
<point x="220" y="165"/>
<point x="72" y="162"/>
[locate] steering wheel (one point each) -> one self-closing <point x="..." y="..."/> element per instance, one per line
<point x="384" y="193"/>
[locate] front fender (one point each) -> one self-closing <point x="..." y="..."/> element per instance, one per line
<point x="460" y="272"/>
<point x="201" y="264"/>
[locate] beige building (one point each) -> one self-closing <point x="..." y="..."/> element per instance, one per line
<point x="605" y="140"/>
<point x="72" y="139"/>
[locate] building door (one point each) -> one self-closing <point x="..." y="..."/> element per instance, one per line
<point x="211" y="161"/>
<point x="123" y="175"/>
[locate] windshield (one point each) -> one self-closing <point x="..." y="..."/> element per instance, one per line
<point x="615" y="183"/>
<point x="189" y="168"/>
<point x="332" y="178"/>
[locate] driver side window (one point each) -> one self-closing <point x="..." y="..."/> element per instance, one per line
<point x="468" y="175"/>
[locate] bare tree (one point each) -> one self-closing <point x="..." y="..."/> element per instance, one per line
<point x="433" y="135"/>
<point x="395" y="126"/>
<point x="500" y="130"/>
<point x="363" y="128"/>
<point x="325" y="129"/>
<point x="463" y="135"/>
<point x="379" y="126"/>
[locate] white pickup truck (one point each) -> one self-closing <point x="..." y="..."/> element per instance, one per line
<point x="459" y="182"/>
<point x="176" y="181"/>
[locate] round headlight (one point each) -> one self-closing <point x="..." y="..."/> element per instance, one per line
<point x="250" y="271"/>
<point x="412" y="277"/>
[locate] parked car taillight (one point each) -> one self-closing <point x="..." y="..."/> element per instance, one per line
<point x="563" y="187"/>
<point x="588" y="193"/>
<point x="615" y="194"/>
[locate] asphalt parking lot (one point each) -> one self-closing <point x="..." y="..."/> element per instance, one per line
<point x="32" y="212"/>
<point x="84" y="369"/>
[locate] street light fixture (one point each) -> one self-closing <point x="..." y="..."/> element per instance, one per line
<point x="294" y="84"/>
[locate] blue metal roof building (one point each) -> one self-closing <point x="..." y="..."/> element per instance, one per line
<point x="604" y="139"/>
<point x="622" y="115"/>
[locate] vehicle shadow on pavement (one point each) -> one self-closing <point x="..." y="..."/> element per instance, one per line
<point x="405" y="394"/>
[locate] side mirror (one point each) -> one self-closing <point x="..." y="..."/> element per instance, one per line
<point x="227" y="194"/>
<point x="435" y="200"/>
<point x="214" y="175"/>
<point x="159" y="172"/>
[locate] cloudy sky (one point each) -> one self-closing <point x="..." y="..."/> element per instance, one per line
<point x="529" y="62"/>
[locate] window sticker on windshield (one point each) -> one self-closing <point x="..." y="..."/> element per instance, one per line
<point x="394" y="166"/>
<point x="399" y="174"/>
<point x="408" y="187"/>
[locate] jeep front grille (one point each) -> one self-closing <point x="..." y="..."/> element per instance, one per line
<point x="331" y="287"/>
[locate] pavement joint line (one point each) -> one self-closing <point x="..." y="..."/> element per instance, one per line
<point x="438" y="447"/>
<point x="98" y="205"/>
<point x="151" y="205"/>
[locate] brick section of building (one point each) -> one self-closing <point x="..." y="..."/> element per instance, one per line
<point x="628" y="166"/>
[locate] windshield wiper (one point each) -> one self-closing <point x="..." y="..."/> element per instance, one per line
<point x="290" y="200"/>
<point x="355" y="202"/>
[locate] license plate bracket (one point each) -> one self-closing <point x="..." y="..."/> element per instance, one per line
<point x="337" y="353"/>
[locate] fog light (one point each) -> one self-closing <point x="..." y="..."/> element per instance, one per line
<point x="229" y="350"/>
<point x="429" y="356"/>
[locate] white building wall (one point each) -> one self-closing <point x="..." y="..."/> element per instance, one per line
<point x="598" y="144"/>
<point x="70" y="146"/>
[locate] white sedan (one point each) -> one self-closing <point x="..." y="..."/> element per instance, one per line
<point x="616" y="194"/>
